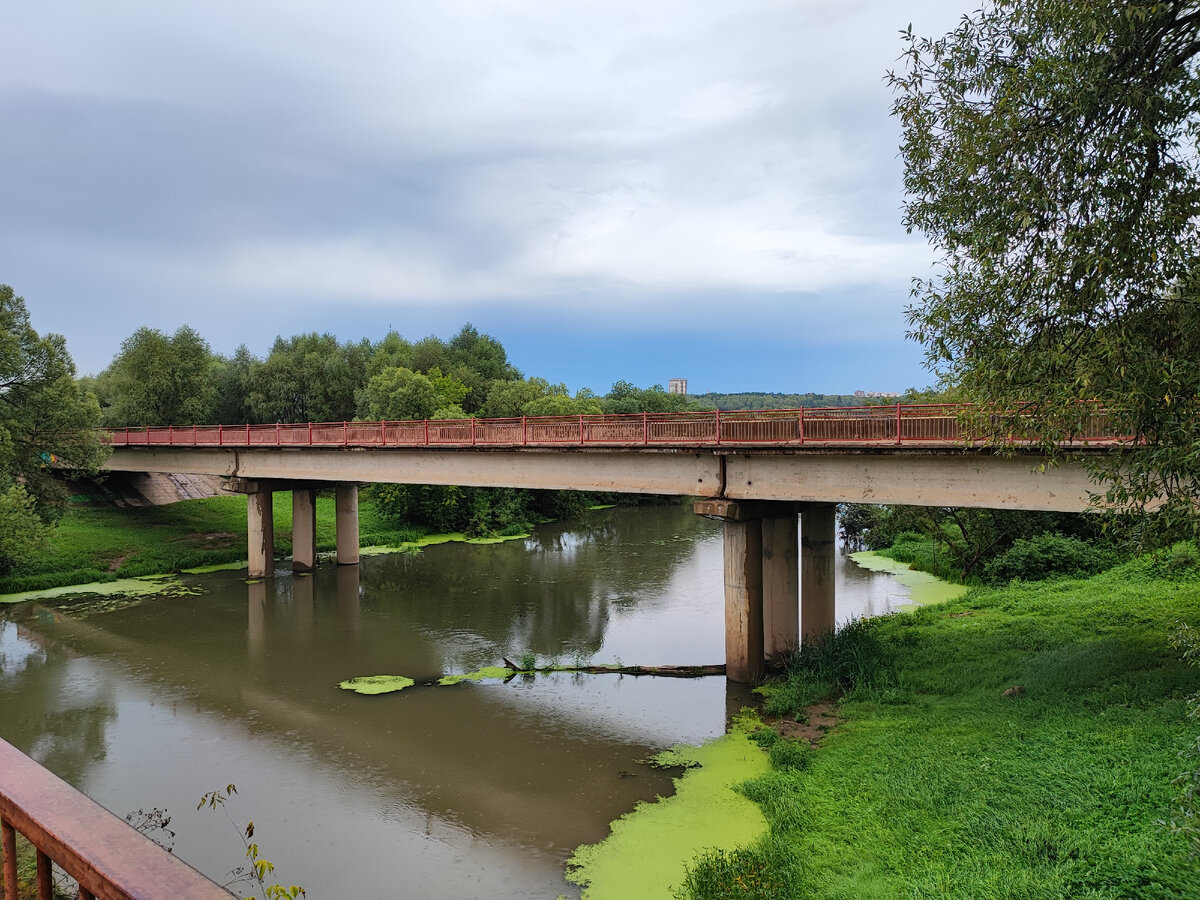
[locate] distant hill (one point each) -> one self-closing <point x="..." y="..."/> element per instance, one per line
<point x="763" y="400"/>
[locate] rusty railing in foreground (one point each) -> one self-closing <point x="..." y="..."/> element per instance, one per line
<point x="106" y="856"/>
<point x="900" y="425"/>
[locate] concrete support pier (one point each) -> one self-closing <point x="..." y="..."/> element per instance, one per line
<point x="304" y="529"/>
<point x="347" y="524"/>
<point x="762" y="612"/>
<point x="743" y="600"/>
<point x="781" y="584"/>
<point x="818" y="556"/>
<point x="260" y="532"/>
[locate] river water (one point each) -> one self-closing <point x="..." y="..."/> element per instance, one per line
<point x="476" y="790"/>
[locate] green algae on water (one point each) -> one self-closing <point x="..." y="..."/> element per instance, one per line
<point x="167" y="585"/>
<point x="430" y="540"/>
<point x="477" y="675"/>
<point x="649" y="849"/>
<point x="377" y="684"/>
<point x="922" y="587"/>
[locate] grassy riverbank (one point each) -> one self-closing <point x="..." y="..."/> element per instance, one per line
<point x="96" y="541"/>
<point x="1015" y="742"/>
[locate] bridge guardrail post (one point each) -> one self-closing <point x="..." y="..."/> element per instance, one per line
<point x="524" y="431"/>
<point x="802" y="425"/>
<point x="220" y="434"/>
<point x="899" y="438"/>
<point x="718" y="417"/>
<point x="581" y="429"/>
<point x="345" y="434"/>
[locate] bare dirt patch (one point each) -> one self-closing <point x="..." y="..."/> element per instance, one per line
<point x="812" y="725"/>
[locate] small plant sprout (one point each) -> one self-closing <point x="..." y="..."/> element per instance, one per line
<point x="259" y="870"/>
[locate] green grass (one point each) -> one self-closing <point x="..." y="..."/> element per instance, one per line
<point x="98" y="542"/>
<point x="938" y="786"/>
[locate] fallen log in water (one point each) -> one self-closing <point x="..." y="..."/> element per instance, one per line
<point x="665" y="671"/>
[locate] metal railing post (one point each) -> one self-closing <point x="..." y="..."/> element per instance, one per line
<point x="310" y="434"/>
<point x="472" y="432"/>
<point x="524" y="432"/>
<point x="277" y="435"/>
<point x="581" y="429"/>
<point x="426" y="432"/>
<point x="9" y="840"/>
<point x="170" y="435"/>
<point x="802" y="425"/>
<point x="718" y="428"/>
<point x="899" y="437"/>
<point x="247" y="434"/>
<point x="345" y="434"/>
<point x="220" y="434"/>
<point x="645" y="428"/>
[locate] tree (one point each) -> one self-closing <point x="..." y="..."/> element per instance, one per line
<point x="232" y="378"/>
<point x="47" y="425"/>
<point x="398" y="393"/>
<point x="309" y="378"/>
<point x="1050" y="158"/>
<point x="159" y="380"/>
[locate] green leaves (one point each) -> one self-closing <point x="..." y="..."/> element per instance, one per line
<point x="1050" y="157"/>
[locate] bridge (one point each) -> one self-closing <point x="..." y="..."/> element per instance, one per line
<point x="755" y="471"/>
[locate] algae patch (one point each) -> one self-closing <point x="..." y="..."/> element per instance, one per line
<point x="923" y="587"/>
<point x="430" y="540"/>
<point x="377" y="684"/>
<point x="649" y="849"/>
<point x="477" y="675"/>
<point x="166" y="585"/>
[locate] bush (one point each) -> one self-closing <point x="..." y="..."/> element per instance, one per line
<point x="1046" y="556"/>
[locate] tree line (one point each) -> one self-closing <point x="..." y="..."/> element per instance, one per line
<point x="177" y="379"/>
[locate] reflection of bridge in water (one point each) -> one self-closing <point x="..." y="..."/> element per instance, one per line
<point x="756" y="471"/>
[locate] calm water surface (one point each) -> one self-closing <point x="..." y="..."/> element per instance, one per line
<point x="470" y="791"/>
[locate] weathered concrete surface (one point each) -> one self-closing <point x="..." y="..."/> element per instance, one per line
<point x="743" y="600"/>
<point x="781" y="583"/>
<point x="818" y="577"/>
<point x="346" y="512"/>
<point x="304" y="529"/>
<point x="260" y="528"/>
<point x="681" y="473"/>
<point x="929" y="478"/>
<point x="915" y="477"/>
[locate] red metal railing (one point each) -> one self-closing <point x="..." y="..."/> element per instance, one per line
<point x="105" y="856"/>
<point x="899" y="425"/>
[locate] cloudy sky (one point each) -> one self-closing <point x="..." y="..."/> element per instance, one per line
<point x="615" y="190"/>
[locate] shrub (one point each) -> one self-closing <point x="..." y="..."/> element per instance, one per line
<point x="1048" y="555"/>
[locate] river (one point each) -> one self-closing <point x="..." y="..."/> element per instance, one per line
<point x="476" y="790"/>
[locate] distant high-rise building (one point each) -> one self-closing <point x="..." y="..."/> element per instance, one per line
<point x="677" y="386"/>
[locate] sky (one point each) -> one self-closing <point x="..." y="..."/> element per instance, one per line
<point x="615" y="190"/>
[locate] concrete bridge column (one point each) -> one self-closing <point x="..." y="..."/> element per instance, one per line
<point x="260" y="532"/>
<point x="347" y="524"/>
<point x="304" y="529"/>
<point x="762" y="617"/>
<point x="817" y="569"/>
<point x="781" y="582"/>
<point x="743" y="599"/>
